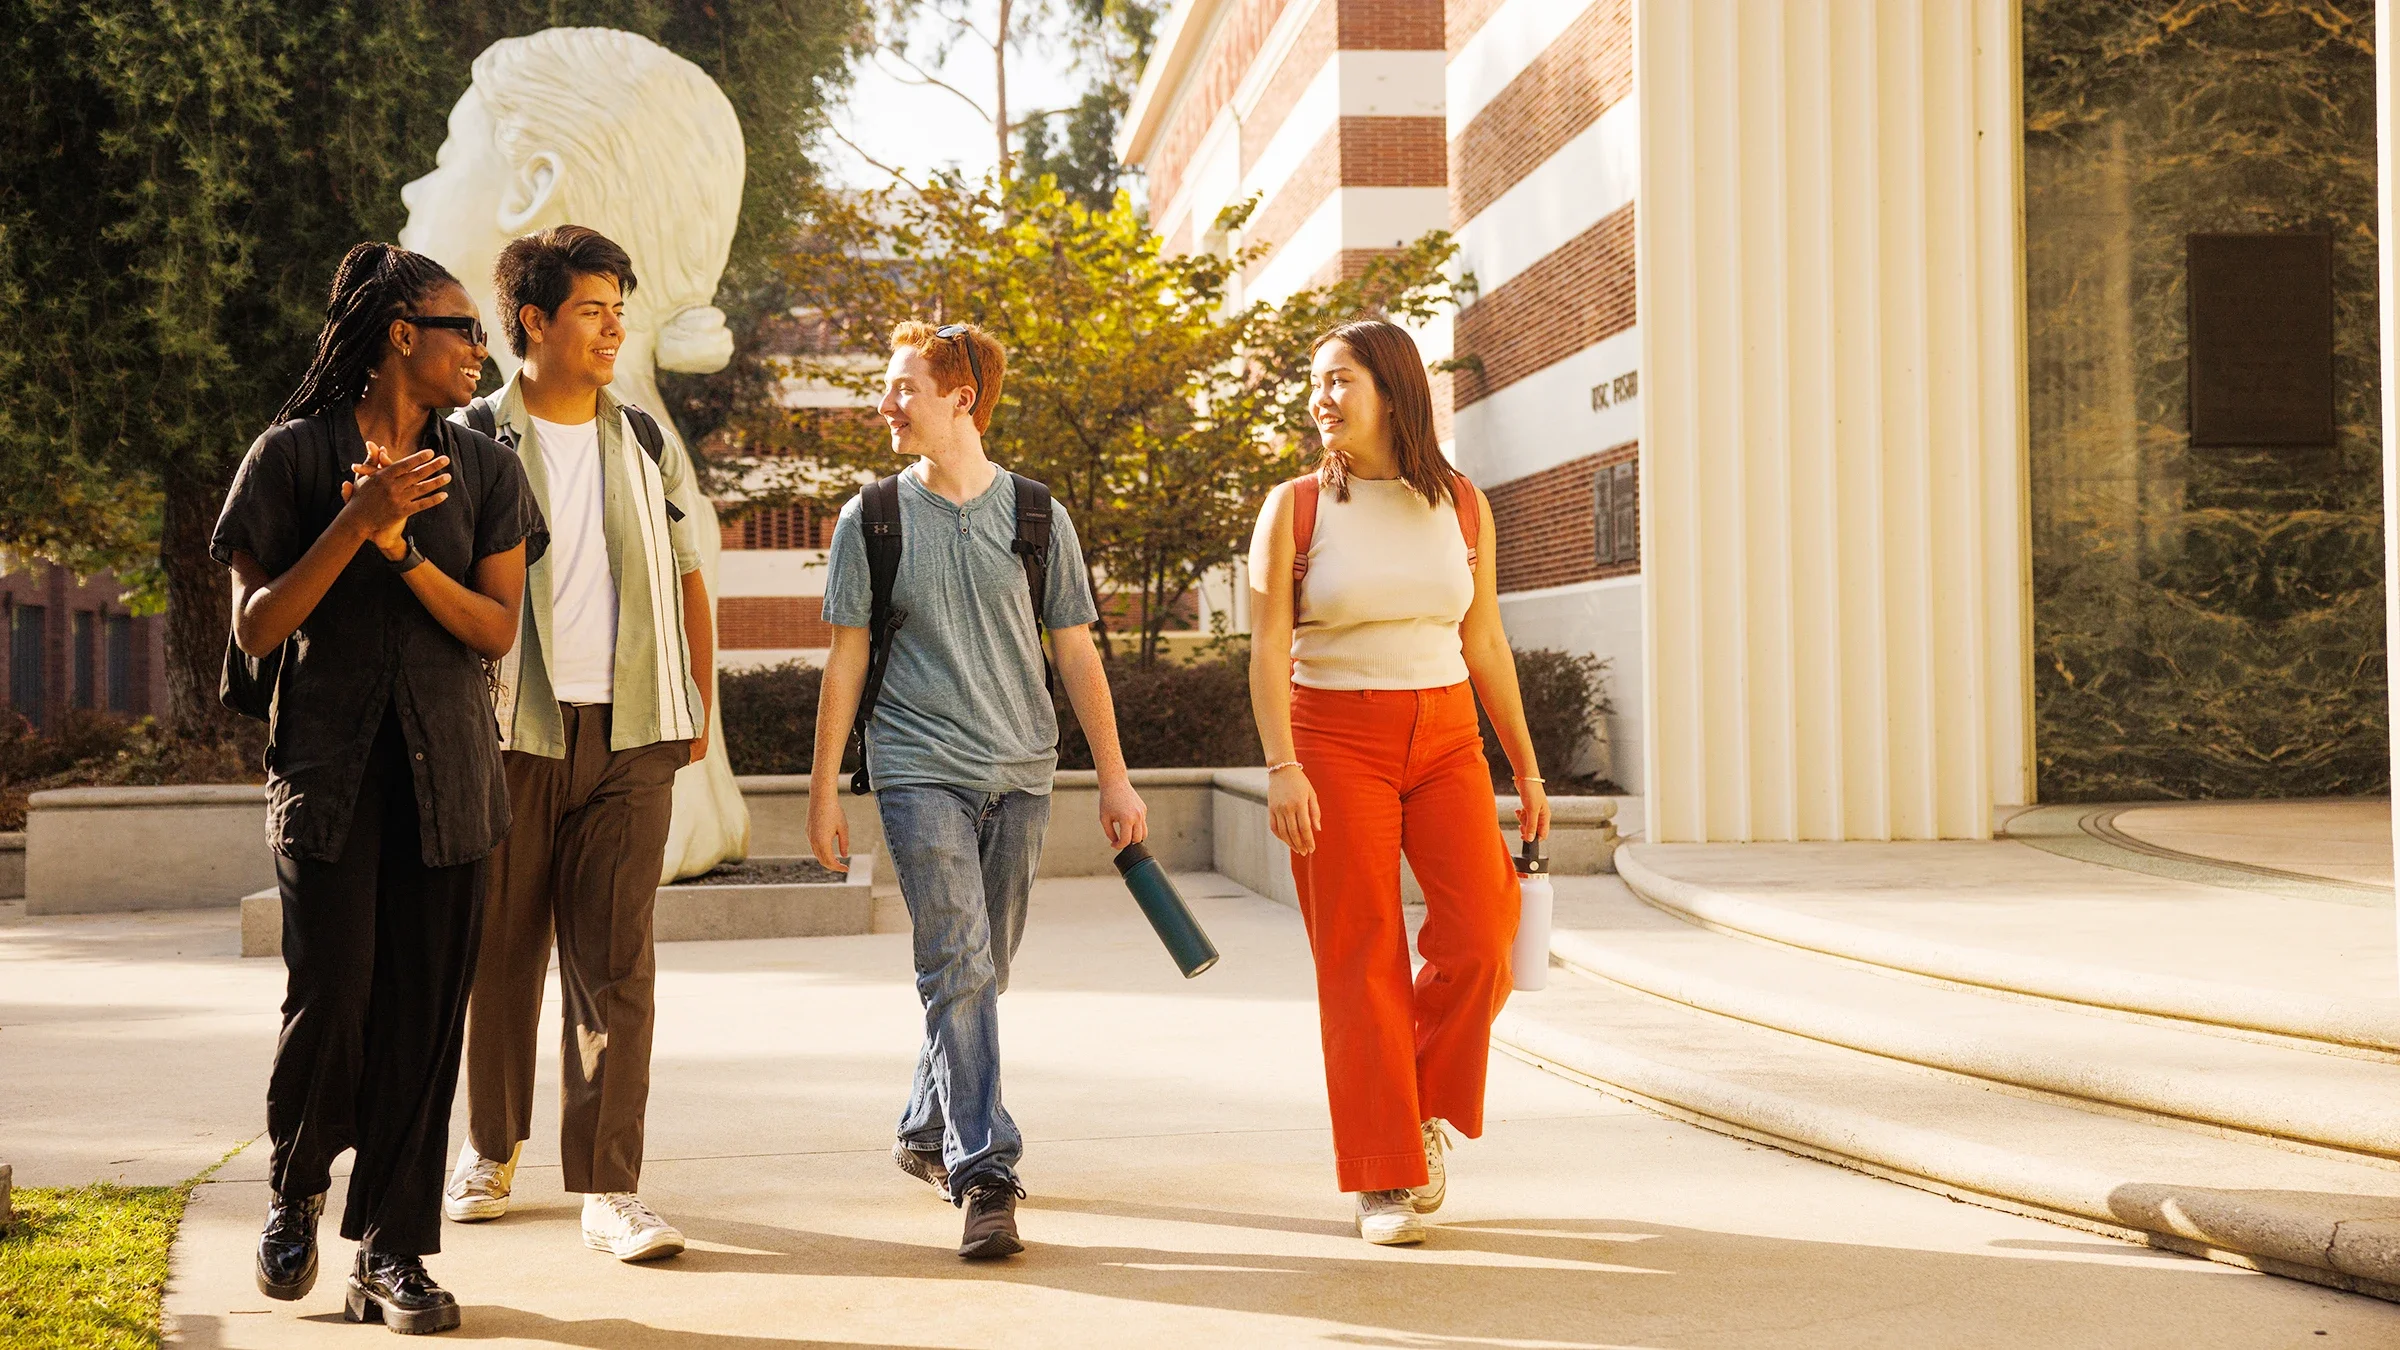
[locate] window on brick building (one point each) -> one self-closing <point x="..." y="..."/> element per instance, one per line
<point x="119" y="633"/>
<point x="28" y="691"/>
<point x="1616" y="516"/>
<point x="799" y="526"/>
<point x="83" y="659"/>
<point x="1628" y="531"/>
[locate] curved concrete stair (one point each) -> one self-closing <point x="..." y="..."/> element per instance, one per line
<point x="2313" y="1216"/>
<point x="2343" y="1023"/>
<point x="2276" y="1090"/>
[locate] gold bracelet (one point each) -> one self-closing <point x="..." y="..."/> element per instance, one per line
<point x="1529" y="778"/>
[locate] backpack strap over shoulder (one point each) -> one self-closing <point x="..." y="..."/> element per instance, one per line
<point x="483" y="418"/>
<point x="879" y="519"/>
<point x="1470" y="519"/>
<point x="653" y="442"/>
<point x="1305" y="491"/>
<point x="1032" y="544"/>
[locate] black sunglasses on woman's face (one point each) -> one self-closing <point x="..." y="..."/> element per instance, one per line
<point x="958" y="332"/>
<point x="456" y="323"/>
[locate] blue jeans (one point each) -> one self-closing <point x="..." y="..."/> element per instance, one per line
<point x="965" y="863"/>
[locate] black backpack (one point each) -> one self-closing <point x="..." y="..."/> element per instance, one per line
<point x="484" y="418"/>
<point x="879" y="512"/>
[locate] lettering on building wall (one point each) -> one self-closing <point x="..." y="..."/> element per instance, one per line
<point x="1610" y="393"/>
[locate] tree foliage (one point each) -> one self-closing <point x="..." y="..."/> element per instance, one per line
<point x="1158" y="409"/>
<point x="178" y="179"/>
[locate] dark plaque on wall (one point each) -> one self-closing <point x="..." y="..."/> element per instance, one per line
<point x="2262" y="338"/>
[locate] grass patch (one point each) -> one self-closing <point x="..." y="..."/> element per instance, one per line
<point x="87" y="1267"/>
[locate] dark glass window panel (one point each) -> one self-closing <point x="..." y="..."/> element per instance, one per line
<point x="119" y="629"/>
<point x="28" y="691"/>
<point x="83" y="659"/>
<point x="2261" y="313"/>
<point x="1626" y="532"/>
<point x="1604" y="517"/>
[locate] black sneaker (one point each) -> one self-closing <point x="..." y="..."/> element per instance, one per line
<point x="991" y="1219"/>
<point x="287" y="1250"/>
<point x="925" y="1165"/>
<point x="396" y="1291"/>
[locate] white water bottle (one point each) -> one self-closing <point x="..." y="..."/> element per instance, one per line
<point x="1530" y="957"/>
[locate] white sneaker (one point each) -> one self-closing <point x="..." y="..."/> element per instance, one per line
<point x="617" y="1222"/>
<point x="1428" y="1197"/>
<point x="1387" y="1219"/>
<point x="479" y="1189"/>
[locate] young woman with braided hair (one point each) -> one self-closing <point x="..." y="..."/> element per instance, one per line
<point x="378" y="556"/>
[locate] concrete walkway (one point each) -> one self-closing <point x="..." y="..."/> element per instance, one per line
<point x="1180" y="1173"/>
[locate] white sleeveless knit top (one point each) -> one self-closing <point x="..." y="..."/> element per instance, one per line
<point x="1387" y="584"/>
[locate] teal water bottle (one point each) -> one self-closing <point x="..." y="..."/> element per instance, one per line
<point x="1172" y="918"/>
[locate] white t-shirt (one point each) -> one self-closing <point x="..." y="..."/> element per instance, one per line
<point x="583" y="594"/>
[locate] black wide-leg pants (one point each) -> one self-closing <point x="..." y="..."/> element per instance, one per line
<point x="379" y="951"/>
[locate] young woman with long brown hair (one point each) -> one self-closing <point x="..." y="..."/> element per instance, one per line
<point x="1365" y="640"/>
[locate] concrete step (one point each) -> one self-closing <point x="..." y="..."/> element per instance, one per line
<point x="2288" y="1094"/>
<point x="2333" y="1021"/>
<point x="684" y="911"/>
<point x="2308" y="1215"/>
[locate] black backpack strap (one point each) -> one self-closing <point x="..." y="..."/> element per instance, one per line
<point x="1033" y="545"/>
<point x="879" y="522"/>
<point x="484" y="419"/>
<point x="654" y="444"/>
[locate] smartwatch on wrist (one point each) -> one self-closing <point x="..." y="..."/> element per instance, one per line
<point x="406" y="562"/>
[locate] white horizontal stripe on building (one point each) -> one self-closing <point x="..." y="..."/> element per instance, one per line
<point x="1512" y="39"/>
<point x="1352" y="84"/>
<point x="1547" y="418"/>
<point x="1352" y="217"/>
<point x="754" y="658"/>
<point x="1603" y="619"/>
<point x="1590" y="177"/>
<point x="1574" y="588"/>
<point x="770" y="572"/>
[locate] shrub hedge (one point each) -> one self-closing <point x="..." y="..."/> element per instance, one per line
<point x="1191" y="715"/>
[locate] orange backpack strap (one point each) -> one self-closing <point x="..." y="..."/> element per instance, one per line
<point x="1304" y="529"/>
<point x="1470" y="520"/>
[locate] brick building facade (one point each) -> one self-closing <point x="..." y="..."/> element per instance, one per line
<point x="72" y="643"/>
<point x="1361" y="124"/>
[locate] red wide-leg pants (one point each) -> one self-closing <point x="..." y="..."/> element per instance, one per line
<point x="1401" y="771"/>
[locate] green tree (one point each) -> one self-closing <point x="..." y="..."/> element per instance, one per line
<point x="1077" y="144"/>
<point x="178" y="179"/>
<point x="1159" y="411"/>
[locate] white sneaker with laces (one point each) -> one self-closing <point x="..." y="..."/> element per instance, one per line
<point x="1428" y="1197"/>
<point x="617" y="1222"/>
<point x="478" y="1189"/>
<point x="1387" y="1219"/>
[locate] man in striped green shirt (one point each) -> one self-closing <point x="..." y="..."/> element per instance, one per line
<point x="604" y="699"/>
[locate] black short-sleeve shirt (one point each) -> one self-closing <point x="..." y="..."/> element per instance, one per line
<point x="370" y="643"/>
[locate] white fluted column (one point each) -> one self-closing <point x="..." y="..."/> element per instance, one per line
<point x="1833" y="463"/>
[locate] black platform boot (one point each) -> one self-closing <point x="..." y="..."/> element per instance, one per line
<point x="287" y="1250"/>
<point x="396" y="1291"/>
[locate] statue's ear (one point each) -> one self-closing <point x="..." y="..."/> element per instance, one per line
<point x="530" y="192"/>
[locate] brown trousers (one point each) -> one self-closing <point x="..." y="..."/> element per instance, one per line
<point x="587" y="837"/>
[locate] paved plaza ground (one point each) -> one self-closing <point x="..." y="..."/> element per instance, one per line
<point x="1179" y="1167"/>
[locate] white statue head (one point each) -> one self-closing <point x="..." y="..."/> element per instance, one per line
<point x="594" y="127"/>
